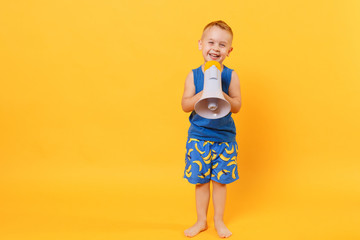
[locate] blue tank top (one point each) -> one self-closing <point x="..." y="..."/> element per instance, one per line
<point x="216" y="130"/>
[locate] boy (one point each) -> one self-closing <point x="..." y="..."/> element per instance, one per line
<point x="211" y="148"/>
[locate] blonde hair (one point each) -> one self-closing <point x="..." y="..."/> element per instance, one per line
<point x="221" y="24"/>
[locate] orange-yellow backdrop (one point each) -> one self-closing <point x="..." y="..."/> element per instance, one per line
<point x="93" y="135"/>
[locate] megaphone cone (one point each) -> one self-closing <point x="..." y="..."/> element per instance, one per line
<point x="212" y="104"/>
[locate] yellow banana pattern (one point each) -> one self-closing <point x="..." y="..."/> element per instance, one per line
<point x="231" y="163"/>
<point x="193" y="139"/>
<point x="230" y="151"/>
<point x="206" y="142"/>
<point x="207" y="160"/>
<point x="233" y="173"/>
<point x="207" y="157"/>
<point x="215" y="166"/>
<point x="188" y="154"/>
<point x="225" y="144"/>
<point x="234" y="158"/>
<point x="221" y="173"/>
<point x="197" y="149"/>
<point x="199" y="164"/>
<point x="204" y="174"/>
<point x="224" y="158"/>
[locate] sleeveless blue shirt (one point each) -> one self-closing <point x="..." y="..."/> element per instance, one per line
<point x="216" y="130"/>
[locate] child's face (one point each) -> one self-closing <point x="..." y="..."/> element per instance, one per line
<point x="215" y="44"/>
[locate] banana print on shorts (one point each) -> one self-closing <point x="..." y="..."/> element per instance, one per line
<point x="207" y="160"/>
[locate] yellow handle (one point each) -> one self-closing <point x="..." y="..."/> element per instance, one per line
<point x="211" y="63"/>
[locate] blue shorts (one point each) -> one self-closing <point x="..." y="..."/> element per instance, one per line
<point x="206" y="160"/>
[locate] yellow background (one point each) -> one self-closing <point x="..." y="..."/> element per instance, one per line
<point x="92" y="135"/>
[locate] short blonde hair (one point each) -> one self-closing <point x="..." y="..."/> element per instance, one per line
<point x="221" y="24"/>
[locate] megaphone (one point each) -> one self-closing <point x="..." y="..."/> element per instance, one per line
<point x="212" y="104"/>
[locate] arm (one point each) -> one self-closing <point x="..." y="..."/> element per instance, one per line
<point x="189" y="97"/>
<point x="234" y="97"/>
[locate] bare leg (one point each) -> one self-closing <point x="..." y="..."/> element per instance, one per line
<point x="202" y="194"/>
<point x="219" y="199"/>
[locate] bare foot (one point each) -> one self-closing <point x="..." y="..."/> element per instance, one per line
<point x="196" y="229"/>
<point x="222" y="230"/>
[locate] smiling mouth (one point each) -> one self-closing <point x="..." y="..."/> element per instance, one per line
<point x="213" y="55"/>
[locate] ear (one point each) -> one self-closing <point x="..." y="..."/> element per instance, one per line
<point x="230" y="50"/>
<point x="200" y="44"/>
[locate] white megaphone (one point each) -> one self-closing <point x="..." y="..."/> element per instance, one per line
<point x="212" y="103"/>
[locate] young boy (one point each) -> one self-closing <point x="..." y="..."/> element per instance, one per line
<point x="211" y="148"/>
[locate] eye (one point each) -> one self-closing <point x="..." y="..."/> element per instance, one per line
<point x="211" y="42"/>
<point x="222" y="45"/>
